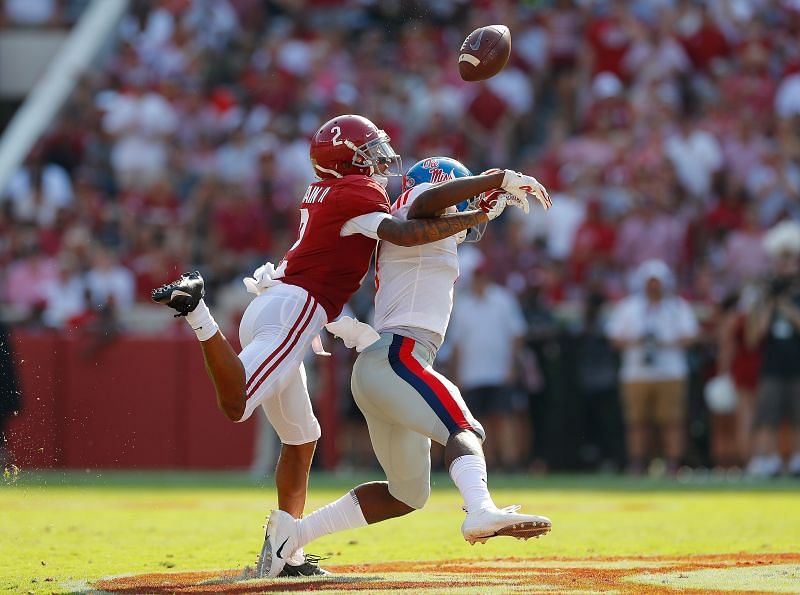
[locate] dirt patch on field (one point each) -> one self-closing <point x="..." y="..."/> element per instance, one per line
<point x="504" y="575"/>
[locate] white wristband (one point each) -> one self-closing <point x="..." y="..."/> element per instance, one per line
<point x="201" y="321"/>
<point x="507" y="177"/>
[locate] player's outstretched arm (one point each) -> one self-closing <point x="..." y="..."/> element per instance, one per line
<point x="433" y="201"/>
<point x="424" y="231"/>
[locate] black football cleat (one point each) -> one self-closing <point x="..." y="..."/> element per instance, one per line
<point x="308" y="568"/>
<point x="182" y="295"/>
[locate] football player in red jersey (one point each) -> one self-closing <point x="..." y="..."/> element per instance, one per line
<point x="342" y="216"/>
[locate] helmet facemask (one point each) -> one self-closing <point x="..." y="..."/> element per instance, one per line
<point x="378" y="155"/>
<point x="475" y="233"/>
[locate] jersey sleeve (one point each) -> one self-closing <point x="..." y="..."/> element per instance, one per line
<point x="366" y="225"/>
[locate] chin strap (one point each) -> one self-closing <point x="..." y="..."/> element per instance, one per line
<point x="333" y="172"/>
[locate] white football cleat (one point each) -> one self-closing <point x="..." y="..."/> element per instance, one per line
<point x="280" y="543"/>
<point x="491" y="522"/>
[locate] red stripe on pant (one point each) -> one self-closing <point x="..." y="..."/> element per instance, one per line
<point x="270" y="357"/>
<point x="439" y="389"/>
<point x="292" y="345"/>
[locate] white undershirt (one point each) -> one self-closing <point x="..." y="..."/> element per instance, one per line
<point x="366" y="225"/>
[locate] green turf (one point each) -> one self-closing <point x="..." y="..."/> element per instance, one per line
<point x="781" y="578"/>
<point x="87" y="525"/>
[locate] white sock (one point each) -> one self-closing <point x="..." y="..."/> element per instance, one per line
<point x="201" y="321"/>
<point x="469" y="475"/>
<point x="343" y="514"/>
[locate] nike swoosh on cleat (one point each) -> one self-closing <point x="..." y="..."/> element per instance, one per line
<point x="197" y="329"/>
<point x="280" y="549"/>
<point x="178" y="292"/>
<point x="477" y="43"/>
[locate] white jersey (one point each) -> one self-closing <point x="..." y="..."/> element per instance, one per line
<point x="415" y="284"/>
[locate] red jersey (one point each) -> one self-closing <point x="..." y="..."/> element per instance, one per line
<point x="328" y="266"/>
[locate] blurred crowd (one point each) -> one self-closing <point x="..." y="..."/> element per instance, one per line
<point x="40" y="14"/>
<point x="666" y="130"/>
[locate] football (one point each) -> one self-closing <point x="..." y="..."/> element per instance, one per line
<point x="484" y="53"/>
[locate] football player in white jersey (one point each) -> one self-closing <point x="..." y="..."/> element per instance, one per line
<point x="405" y="401"/>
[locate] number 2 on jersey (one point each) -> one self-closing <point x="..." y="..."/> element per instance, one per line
<point x="302" y="231"/>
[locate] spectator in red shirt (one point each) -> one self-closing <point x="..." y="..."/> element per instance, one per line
<point x="610" y="108"/>
<point x="743" y="251"/>
<point x="649" y="234"/>
<point x="593" y="243"/>
<point x="608" y="38"/>
<point x="727" y="214"/>
<point x="441" y="137"/>
<point x="703" y="40"/>
<point x="564" y="25"/>
<point x="154" y="255"/>
<point x="488" y="122"/>
<point x="743" y="363"/>
<point x="238" y="224"/>
<point x="750" y="89"/>
<point x="27" y="280"/>
<point x="745" y="148"/>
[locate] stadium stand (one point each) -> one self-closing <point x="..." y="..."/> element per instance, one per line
<point x="665" y="129"/>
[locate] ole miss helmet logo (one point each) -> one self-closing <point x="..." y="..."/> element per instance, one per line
<point x="438" y="175"/>
<point x="434" y="170"/>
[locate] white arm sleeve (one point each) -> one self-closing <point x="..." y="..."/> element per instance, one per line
<point x="366" y="225"/>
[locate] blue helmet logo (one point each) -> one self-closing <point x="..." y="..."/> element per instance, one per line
<point x="434" y="170"/>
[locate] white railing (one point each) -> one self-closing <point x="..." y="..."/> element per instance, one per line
<point x="86" y="39"/>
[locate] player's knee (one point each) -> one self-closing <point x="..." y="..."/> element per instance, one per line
<point x="422" y="497"/>
<point x="417" y="501"/>
<point x="415" y="497"/>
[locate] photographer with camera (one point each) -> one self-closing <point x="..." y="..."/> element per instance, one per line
<point x="653" y="327"/>
<point x="774" y="324"/>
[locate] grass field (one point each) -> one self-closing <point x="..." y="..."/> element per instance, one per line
<point x="177" y="532"/>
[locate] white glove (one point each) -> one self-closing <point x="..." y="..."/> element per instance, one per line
<point x="519" y="185"/>
<point x="353" y="332"/>
<point x="493" y="203"/>
<point x="521" y="202"/>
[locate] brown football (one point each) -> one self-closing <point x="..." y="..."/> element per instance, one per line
<point x="484" y="53"/>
